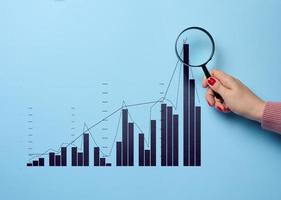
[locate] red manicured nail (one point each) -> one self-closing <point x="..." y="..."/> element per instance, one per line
<point x="209" y="103"/>
<point x="219" y="108"/>
<point x="211" y="81"/>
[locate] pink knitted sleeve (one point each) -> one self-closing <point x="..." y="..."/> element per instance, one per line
<point x="271" y="119"/>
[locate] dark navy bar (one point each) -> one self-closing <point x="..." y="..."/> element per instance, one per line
<point x="147" y="157"/>
<point x="108" y="164"/>
<point x="185" y="104"/>
<point x="80" y="158"/>
<point x="57" y="160"/>
<point x="169" y="136"/>
<point x="41" y="162"/>
<point x="141" y="149"/>
<point x="118" y="153"/>
<point x="51" y="159"/>
<point x="175" y="140"/>
<point x="153" y="142"/>
<point x="63" y="156"/>
<point x="35" y="163"/>
<point x="29" y="164"/>
<point x="192" y="121"/>
<point x="125" y="136"/>
<point x="86" y="149"/>
<point x="102" y="161"/>
<point x="131" y="144"/>
<point x="96" y="156"/>
<point x="198" y="136"/>
<point x="74" y="156"/>
<point x="163" y="136"/>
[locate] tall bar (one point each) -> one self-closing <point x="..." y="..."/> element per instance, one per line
<point x="86" y="149"/>
<point x="163" y="135"/>
<point x="96" y="156"/>
<point x="185" y="105"/>
<point x="57" y="160"/>
<point x="118" y="153"/>
<point x="80" y="158"/>
<point x="41" y="162"/>
<point x="153" y="142"/>
<point x="198" y="136"/>
<point x="74" y="156"/>
<point x="169" y="136"/>
<point x="63" y="156"/>
<point x="131" y="144"/>
<point x="192" y="121"/>
<point x="125" y="136"/>
<point x="51" y="159"/>
<point x="175" y="140"/>
<point x="147" y="157"/>
<point x="141" y="149"/>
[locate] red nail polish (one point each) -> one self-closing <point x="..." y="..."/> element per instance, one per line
<point x="209" y="103"/>
<point x="211" y="81"/>
<point x="220" y="109"/>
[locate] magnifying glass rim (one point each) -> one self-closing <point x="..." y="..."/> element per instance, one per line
<point x="210" y="37"/>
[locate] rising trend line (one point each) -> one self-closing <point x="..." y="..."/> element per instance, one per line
<point x="87" y="129"/>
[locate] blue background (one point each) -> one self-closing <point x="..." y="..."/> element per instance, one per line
<point x="55" y="54"/>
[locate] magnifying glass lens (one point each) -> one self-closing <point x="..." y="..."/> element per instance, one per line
<point x="200" y="46"/>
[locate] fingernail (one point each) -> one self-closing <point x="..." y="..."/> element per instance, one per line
<point x="211" y="81"/>
<point x="219" y="108"/>
<point x="209" y="103"/>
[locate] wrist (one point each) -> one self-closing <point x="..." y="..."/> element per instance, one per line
<point x="258" y="111"/>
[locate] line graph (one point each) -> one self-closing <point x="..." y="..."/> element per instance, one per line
<point x="125" y="148"/>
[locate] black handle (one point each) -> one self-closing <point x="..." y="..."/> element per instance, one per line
<point x="208" y="75"/>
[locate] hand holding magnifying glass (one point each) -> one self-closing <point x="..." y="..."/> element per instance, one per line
<point x="202" y="47"/>
<point x="238" y="98"/>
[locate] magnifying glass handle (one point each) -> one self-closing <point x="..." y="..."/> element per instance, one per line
<point x="207" y="74"/>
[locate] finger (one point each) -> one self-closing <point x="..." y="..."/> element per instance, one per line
<point x="210" y="97"/>
<point x="222" y="107"/>
<point x="205" y="83"/>
<point x="216" y="85"/>
<point x="226" y="108"/>
<point x="224" y="78"/>
<point x="219" y="106"/>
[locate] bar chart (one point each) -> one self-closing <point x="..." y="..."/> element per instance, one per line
<point x="134" y="149"/>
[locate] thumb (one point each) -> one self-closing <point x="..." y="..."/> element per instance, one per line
<point x="216" y="86"/>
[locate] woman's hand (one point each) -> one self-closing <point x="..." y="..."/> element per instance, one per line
<point x="237" y="97"/>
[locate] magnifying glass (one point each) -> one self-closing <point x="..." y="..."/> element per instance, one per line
<point x="202" y="49"/>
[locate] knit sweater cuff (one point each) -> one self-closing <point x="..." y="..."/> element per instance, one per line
<point x="271" y="119"/>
